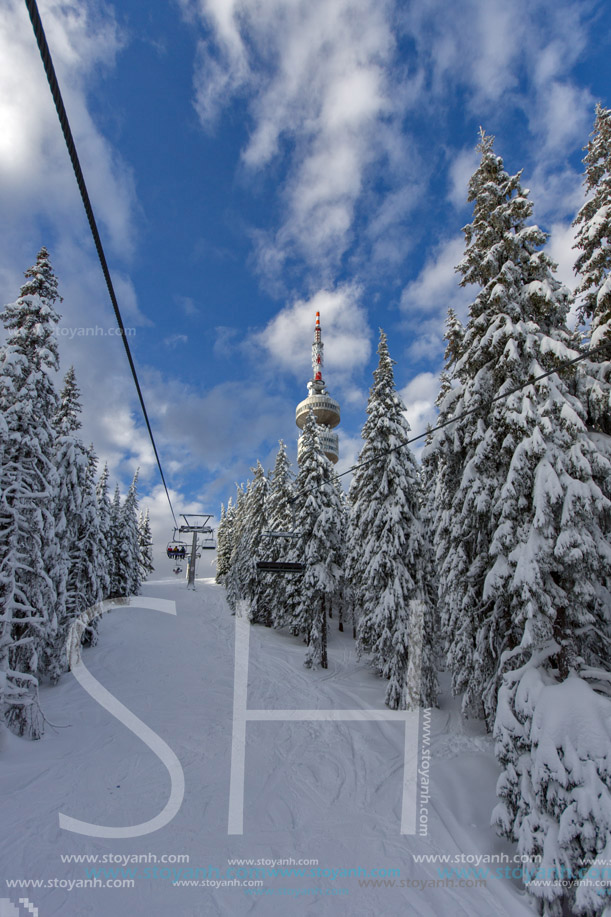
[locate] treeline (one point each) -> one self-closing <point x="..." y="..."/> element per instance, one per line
<point x="65" y="545"/>
<point x="497" y="550"/>
<point x="367" y="559"/>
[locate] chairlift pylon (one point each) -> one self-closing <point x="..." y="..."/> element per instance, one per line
<point x="196" y="525"/>
<point x="204" y="531"/>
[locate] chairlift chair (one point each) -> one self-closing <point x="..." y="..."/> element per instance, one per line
<point x="177" y="550"/>
<point x="207" y="541"/>
<point x="281" y="566"/>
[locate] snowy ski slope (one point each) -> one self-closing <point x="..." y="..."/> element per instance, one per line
<point x="321" y="791"/>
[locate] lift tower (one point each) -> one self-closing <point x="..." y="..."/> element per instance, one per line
<point x="203" y="538"/>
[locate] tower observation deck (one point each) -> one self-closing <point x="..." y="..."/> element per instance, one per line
<point x="325" y="408"/>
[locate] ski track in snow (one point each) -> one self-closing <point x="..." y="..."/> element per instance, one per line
<point x="324" y="790"/>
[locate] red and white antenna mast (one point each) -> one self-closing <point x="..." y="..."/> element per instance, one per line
<point x="317" y="353"/>
<point x="324" y="407"/>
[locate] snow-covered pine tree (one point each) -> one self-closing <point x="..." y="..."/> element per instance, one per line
<point x="93" y="557"/>
<point x="441" y="465"/>
<point x="145" y="545"/>
<point x="125" y="575"/>
<point x="233" y="577"/>
<point x="593" y="237"/>
<point x="31" y="572"/>
<point x="105" y="554"/>
<point x="77" y="523"/>
<point x="554" y="741"/>
<point x="223" y="543"/>
<point x="440" y="476"/>
<point x="130" y="577"/>
<point x="115" y="541"/>
<point x="338" y="600"/>
<point x="388" y="551"/>
<point x="318" y="515"/>
<point x="280" y="519"/>
<point x="252" y="547"/>
<point x="593" y="267"/>
<point x="526" y="554"/>
<point x="454" y="337"/>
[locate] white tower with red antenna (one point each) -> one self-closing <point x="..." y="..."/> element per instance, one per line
<point x="325" y="408"/>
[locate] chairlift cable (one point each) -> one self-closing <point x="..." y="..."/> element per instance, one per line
<point x="63" y="118"/>
<point x="45" y="54"/>
<point x="445" y="423"/>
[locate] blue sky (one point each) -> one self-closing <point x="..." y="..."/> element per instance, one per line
<point x="252" y="161"/>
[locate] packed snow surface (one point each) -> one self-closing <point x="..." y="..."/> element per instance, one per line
<point x="320" y="791"/>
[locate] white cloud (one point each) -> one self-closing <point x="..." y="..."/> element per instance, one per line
<point x="475" y="43"/>
<point x="174" y="340"/>
<point x="515" y="58"/>
<point x="187" y="304"/>
<point x="122" y="441"/>
<point x="426" y="300"/>
<point x="227" y="425"/>
<point x="560" y="248"/>
<point x="437" y="286"/>
<point x="326" y="101"/>
<point x="388" y="231"/>
<point x="345" y="332"/>
<point x="489" y="46"/>
<point x="317" y="78"/>
<point x="557" y="192"/>
<point x="419" y="397"/>
<point x="462" y="167"/>
<point x="38" y="194"/>
<point x="564" y="117"/>
<point x="35" y="172"/>
<point x="349" y="450"/>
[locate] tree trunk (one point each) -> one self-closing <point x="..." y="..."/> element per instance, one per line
<point x="323" y="654"/>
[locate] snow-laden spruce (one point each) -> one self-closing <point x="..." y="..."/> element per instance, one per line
<point x="593" y="237"/>
<point x="554" y="742"/>
<point x="593" y="267"/>
<point x="279" y="519"/>
<point x="441" y="468"/>
<point x="32" y="574"/>
<point x="318" y="523"/>
<point x="145" y="545"/>
<point x="125" y="571"/>
<point x="342" y="600"/>
<point x="81" y="542"/>
<point x="522" y="548"/>
<point x="252" y="547"/>
<point x="244" y="524"/>
<point x="387" y="552"/>
<point x="233" y="577"/>
<point x="63" y="547"/>
<point x="129" y="577"/>
<point x="105" y="561"/>
<point x="224" y="542"/>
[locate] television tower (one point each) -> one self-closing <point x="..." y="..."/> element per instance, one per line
<point x="325" y="408"/>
